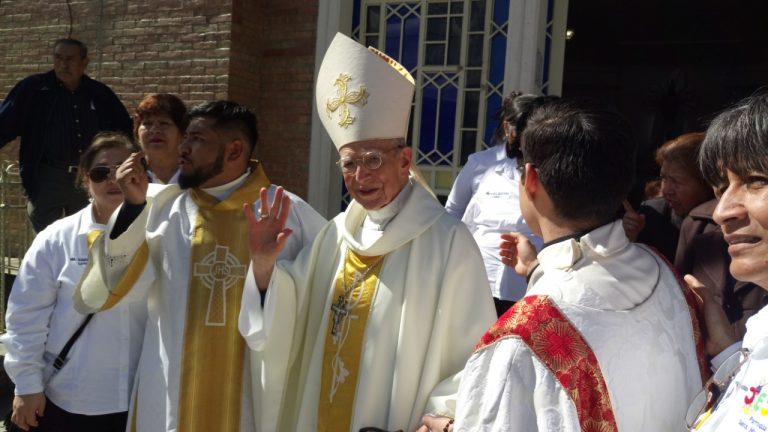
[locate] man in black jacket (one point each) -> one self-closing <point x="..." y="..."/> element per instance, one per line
<point x="57" y="114"/>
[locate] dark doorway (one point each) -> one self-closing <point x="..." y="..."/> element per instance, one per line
<point x="668" y="65"/>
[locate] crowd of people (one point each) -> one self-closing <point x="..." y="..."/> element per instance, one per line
<point x="189" y="293"/>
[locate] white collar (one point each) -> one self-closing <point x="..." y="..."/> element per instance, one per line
<point x="380" y="217"/>
<point x="222" y="191"/>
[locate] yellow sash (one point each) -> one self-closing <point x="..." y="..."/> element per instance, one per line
<point x="352" y="299"/>
<point x="213" y="353"/>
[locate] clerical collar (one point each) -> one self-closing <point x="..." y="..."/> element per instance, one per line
<point x="222" y="191"/>
<point x="575" y="236"/>
<point x="379" y="218"/>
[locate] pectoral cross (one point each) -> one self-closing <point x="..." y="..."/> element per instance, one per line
<point x="344" y="99"/>
<point x="339" y="313"/>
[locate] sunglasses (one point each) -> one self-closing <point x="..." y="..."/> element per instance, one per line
<point x="706" y="401"/>
<point x="100" y="173"/>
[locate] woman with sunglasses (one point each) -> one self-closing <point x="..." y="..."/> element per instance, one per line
<point x="159" y="124"/>
<point x="734" y="160"/>
<point x="91" y="391"/>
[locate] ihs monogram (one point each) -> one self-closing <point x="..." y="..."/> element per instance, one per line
<point x="218" y="271"/>
<point x="344" y="99"/>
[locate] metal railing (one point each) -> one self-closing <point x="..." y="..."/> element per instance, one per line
<point x="16" y="232"/>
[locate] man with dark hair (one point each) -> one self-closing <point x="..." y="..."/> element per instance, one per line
<point x="605" y="323"/>
<point x="734" y="160"/>
<point x="57" y="114"/>
<point x="184" y="249"/>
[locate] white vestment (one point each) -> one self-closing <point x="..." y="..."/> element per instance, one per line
<point x="629" y="307"/>
<point x="430" y="307"/>
<point x="166" y="224"/>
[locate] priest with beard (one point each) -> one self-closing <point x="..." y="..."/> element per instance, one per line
<point x="182" y="249"/>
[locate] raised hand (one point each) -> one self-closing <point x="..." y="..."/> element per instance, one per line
<point x="517" y="252"/>
<point x="132" y="179"/>
<point x="267" y="233"/>
<point x="719" y="333"/>
<point x="633" y="221"/>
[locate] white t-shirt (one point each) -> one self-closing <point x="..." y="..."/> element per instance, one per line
<point x="495" y="209"/>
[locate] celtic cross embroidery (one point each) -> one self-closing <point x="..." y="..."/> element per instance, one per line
<point x="218" y="271"/>
<point x="344" y="98"/>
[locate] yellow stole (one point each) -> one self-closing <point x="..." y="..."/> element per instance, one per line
<point x="213" y="352"/>
<point x="352" y="298"/>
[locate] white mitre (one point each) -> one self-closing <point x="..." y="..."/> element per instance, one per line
<point x="362" y="94"/>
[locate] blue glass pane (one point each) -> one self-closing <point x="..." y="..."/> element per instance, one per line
<point x="493" y="106"/>
<point x="434" y="54"/>
<point x="473" y="78"/>
<point x="457" y="7"/>
<point x="500" y="11"/>
<point x="498" y="48"/>
<point x="410" y="57"/>
<point x="355" y="14"/>
<point x="468" y="139"/>
<point x="372" y="19"/>
<point x="344" y="193"/>
<point x="428" y="119"/>
<point x="438" y="8"/>
<point x="477" y="16"/>
<point x="392" y="45"/>
<point x="471" y="105"/>
<point x="439" y="80"/>
<point x="447" y="127"/>
<point x="475" y="50"/>
<point x="550" y="9"/>
<point x="437" y="28"/>
<point x="454" y="41"/>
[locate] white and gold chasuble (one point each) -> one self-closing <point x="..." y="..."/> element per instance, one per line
<point x="195" y="372"/>
<point x="355" y="288"/>
<point x="429" y="304"/>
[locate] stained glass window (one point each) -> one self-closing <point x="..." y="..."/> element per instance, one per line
<point x="455" y="50"/>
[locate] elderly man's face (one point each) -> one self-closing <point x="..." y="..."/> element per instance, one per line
<point x="372" y="187"/>
<point x="68" y="65"/>
<point x="742" y="214"/>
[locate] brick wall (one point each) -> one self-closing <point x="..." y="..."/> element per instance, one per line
<point x="285" y="99"/>
<point x="257" y="52"/>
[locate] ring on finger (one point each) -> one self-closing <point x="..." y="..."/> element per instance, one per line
<point x="263" y="215"/>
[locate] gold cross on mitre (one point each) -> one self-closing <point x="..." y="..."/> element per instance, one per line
<point x="218" y="271"/>
<point x="344" y="98"/>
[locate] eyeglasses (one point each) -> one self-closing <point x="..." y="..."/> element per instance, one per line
<point x="370" y="160"/>
<point x="708" y="398"/>
<point x="100" y="173"/>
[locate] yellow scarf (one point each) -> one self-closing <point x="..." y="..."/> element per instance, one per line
<point x="352" y="298"/>
<point x="213" y="353"/>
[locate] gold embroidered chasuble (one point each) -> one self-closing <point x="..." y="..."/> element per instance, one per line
<point x="213" y="350"/>
<point x="354" y="291"/>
